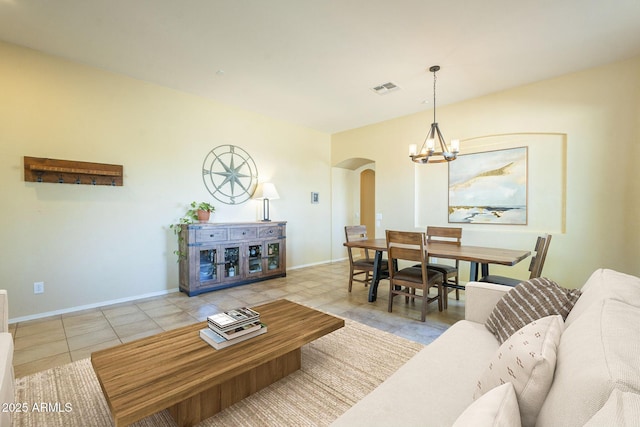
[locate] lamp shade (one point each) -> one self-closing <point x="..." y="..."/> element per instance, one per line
<point x="266" y="190"/>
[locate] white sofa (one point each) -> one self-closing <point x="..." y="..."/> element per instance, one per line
<point x="597" y="371"/>
<point x="6" y="363"/>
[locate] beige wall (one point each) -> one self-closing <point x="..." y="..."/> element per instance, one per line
<point x="95" y="244"/>
<point x="597" y="109"/>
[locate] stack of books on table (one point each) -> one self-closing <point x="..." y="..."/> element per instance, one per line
<point x="231" y="327"/>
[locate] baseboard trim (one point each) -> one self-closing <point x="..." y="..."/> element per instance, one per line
<point x="90" y="306"/>
<point x="135" y="297"/>
<point x="297" y="267"/>
<point x="330" y="261"/>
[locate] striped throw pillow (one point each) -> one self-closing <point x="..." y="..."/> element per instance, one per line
<point x="531" y="300"/>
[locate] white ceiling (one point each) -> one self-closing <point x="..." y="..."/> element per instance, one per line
<point x="313" y="62"/>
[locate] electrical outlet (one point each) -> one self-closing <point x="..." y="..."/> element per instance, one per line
<point x="38" y="287"/>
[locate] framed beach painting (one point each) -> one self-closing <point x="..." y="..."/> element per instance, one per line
<point x="489" y="187"/>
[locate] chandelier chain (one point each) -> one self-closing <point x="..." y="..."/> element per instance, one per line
<point x="434" y="96"/>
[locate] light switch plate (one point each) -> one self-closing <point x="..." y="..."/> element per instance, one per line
<point x="38" y="287"/>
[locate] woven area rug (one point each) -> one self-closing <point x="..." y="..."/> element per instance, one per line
<point x="337" y="370"/>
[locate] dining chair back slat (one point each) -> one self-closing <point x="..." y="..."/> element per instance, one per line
<point x="409" y="254"/>
<point x="450" y="235"/>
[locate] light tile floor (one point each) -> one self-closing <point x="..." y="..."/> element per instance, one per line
<point x="44" y="343"/>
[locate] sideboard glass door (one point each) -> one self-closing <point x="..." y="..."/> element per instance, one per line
<point x="274" y="262"/>
<point x="208" y="265"/>
<point x="255" y="259"/>
<point x="232" y="261"/>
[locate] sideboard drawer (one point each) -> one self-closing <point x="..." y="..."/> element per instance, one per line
<point x="243" y="233"/>
<point x="211" y="235"/>
<point x="267" y="232"/>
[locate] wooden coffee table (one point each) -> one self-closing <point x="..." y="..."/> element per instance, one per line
<point x="178" y="370"/>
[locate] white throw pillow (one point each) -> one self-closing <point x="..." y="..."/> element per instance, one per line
<point x="527" y="360"/>
<point x="496" y="408"/>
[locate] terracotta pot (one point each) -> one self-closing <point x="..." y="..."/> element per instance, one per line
<point x="203" y="216"/>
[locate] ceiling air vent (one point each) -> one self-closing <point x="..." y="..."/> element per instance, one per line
<point x="385" y="88"/>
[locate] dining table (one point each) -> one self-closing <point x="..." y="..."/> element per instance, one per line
<point x="478" y="256"/>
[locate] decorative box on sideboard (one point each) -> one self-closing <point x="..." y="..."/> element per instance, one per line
<point x="217" y="256"/>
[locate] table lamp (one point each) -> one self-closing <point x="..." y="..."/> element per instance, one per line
<point x="265" y="192"/>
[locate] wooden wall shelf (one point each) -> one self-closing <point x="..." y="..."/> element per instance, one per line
<point x="37" y="169"/>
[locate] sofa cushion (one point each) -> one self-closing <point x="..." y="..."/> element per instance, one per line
<point x="496" y="408"/>
<point x="527" y="359"/>
<point x="621" y="410"/>
<point x="530" y="300"/>
<point x="597" y="354"/>
<point x="606" y="284"/>
<point x="434" y="387"/>
<point x="7" y="393"/>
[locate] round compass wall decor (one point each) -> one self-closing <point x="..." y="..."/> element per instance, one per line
<point x="230" y="174"/>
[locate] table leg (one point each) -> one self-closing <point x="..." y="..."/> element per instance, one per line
<point x="377" y="273"/>
<point x="473" y="271"/>
<point x="485" y="270"/>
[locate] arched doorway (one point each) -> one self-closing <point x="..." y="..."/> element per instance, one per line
<point x="368" y="200"/>
<point x="346" y="204"/>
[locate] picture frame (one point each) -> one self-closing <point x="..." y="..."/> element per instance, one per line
<point x="489" y="187"/>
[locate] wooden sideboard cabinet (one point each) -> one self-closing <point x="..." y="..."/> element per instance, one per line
<point x="217" y="256"/>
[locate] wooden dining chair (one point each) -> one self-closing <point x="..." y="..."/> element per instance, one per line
<point x="405" y="246"/>
<point x="362" y="264"/>
<point x="535" y="267"/>
<point x="449" y="236"/>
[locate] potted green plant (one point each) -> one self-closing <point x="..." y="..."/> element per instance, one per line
<point x="197" y="212"/>
<point x="200" y="212"/>
<point x="203" y="210"/>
